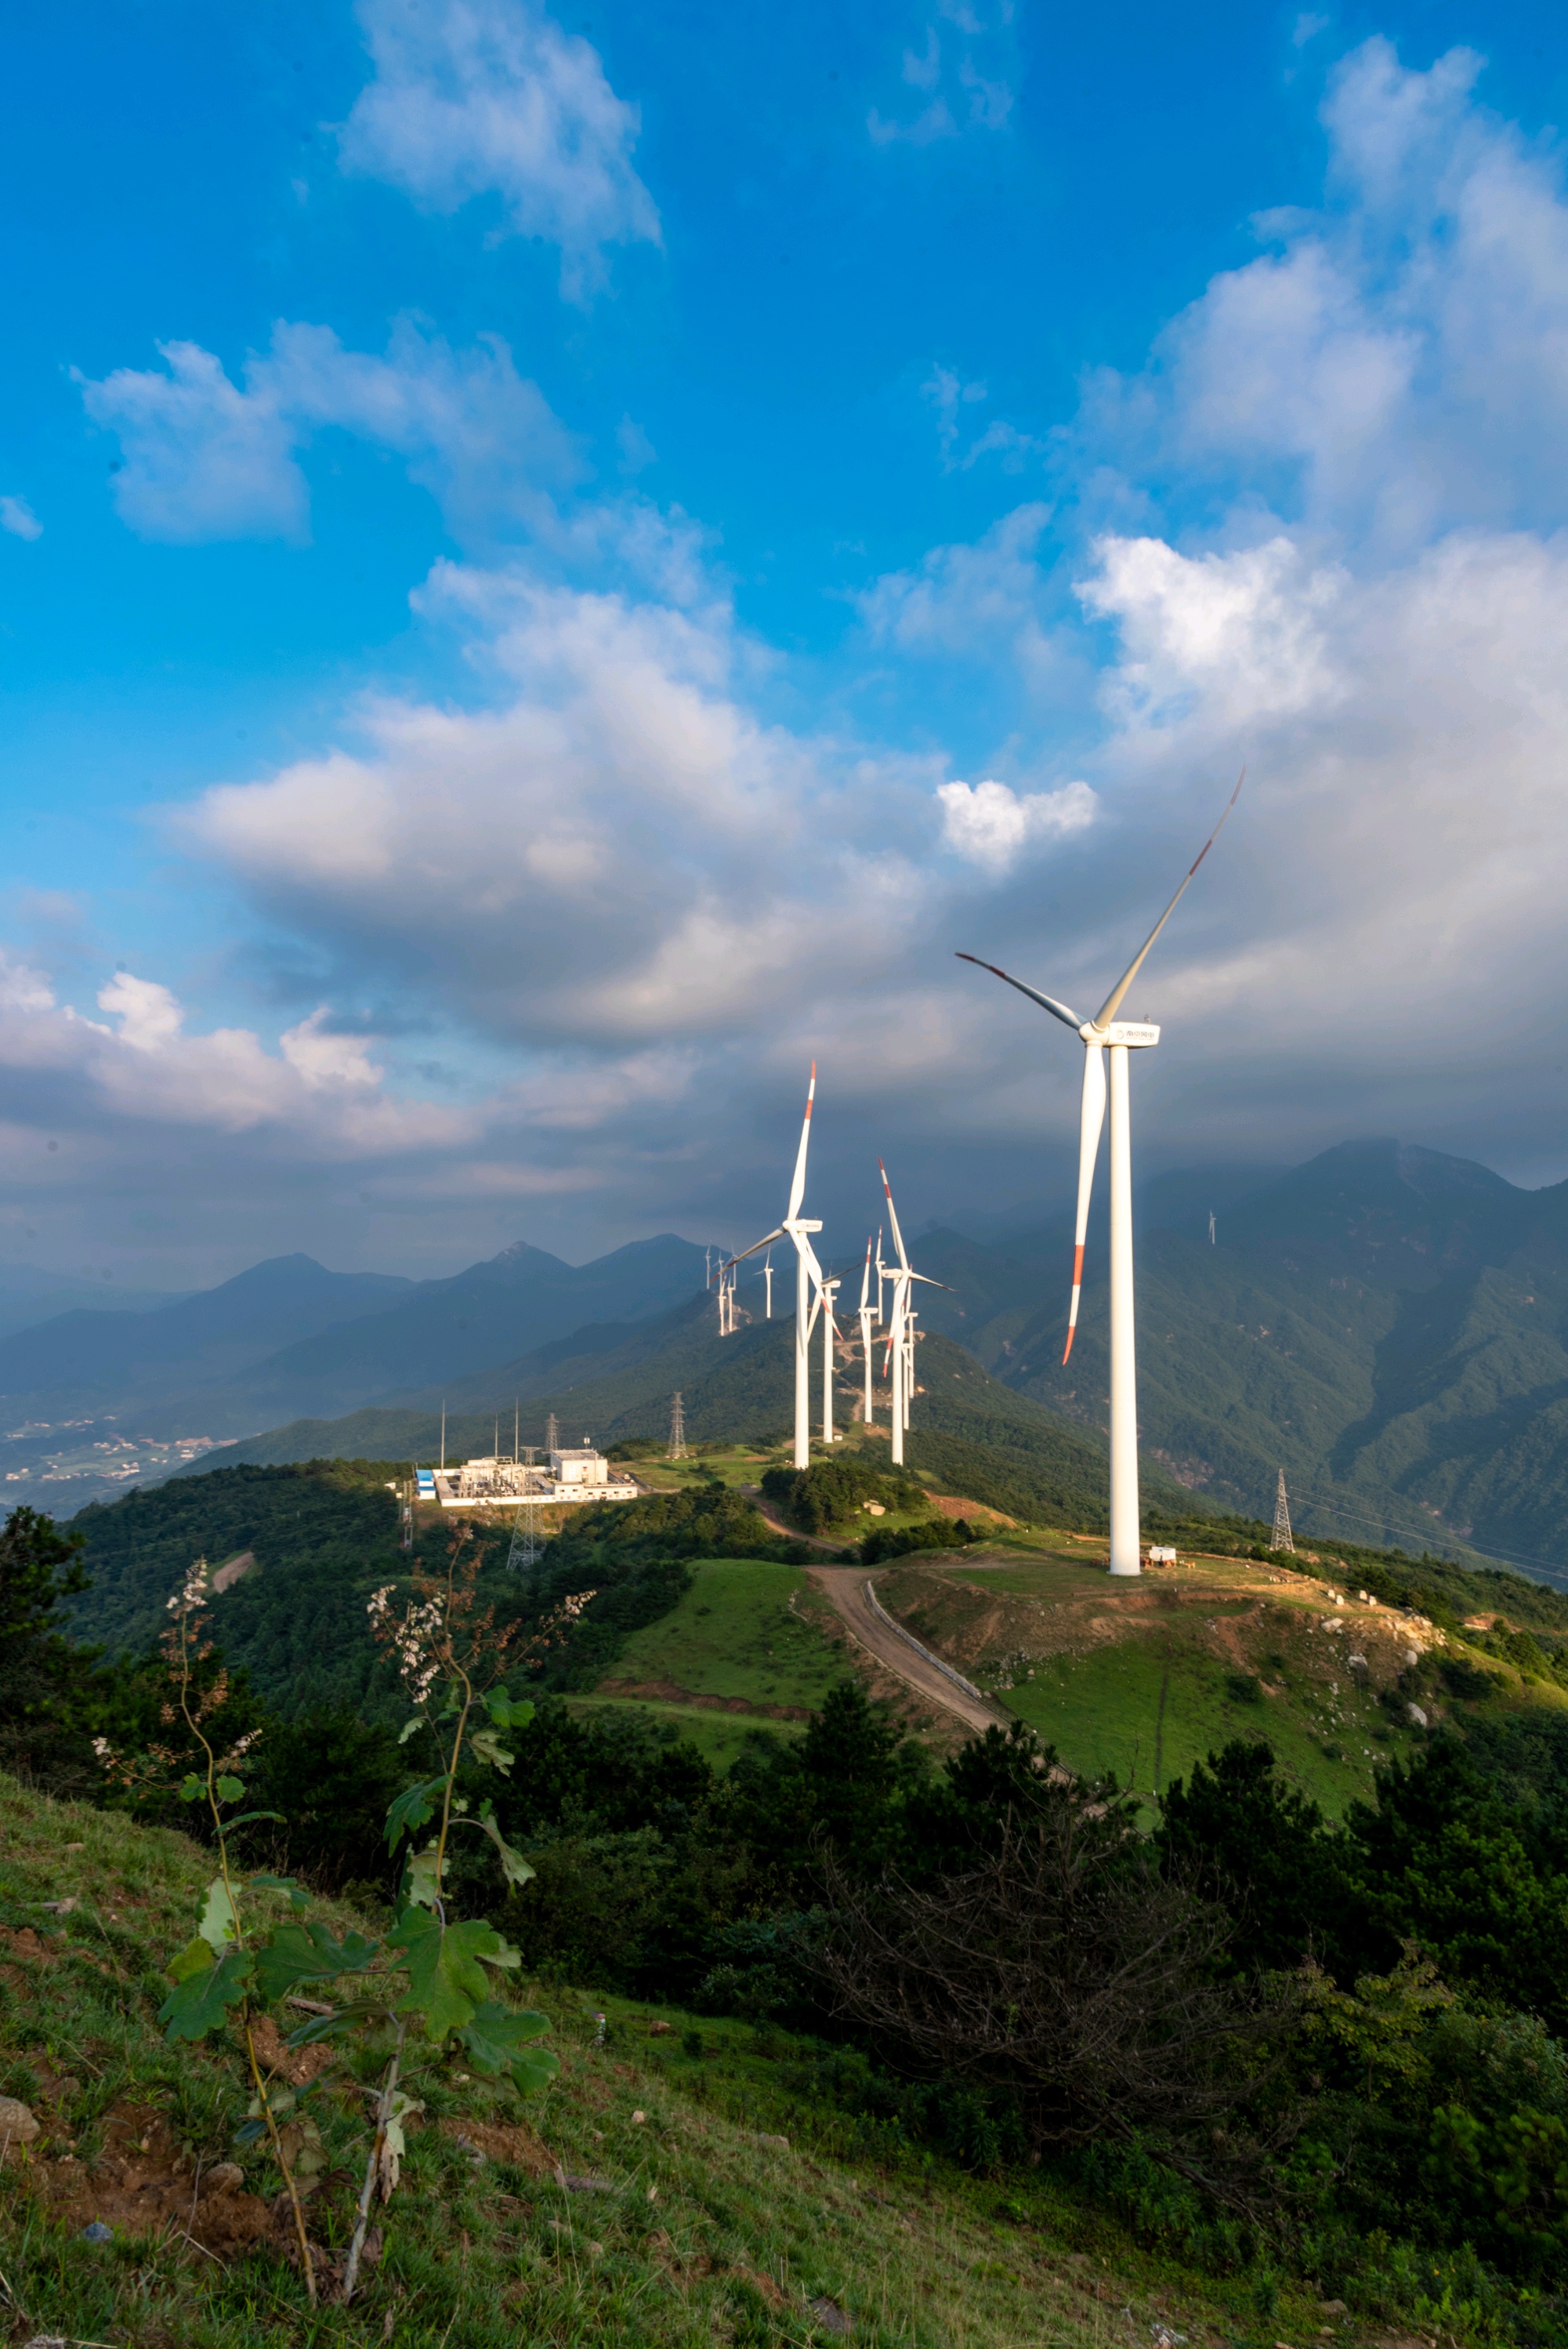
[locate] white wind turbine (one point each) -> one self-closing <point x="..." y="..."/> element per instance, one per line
<point x="867" y="1314"/>
<point x="808" y="1277"/>
<point x="900" y="1333"/>
<point x="826" y="1292"/>
<point x="1121" y="1036"/>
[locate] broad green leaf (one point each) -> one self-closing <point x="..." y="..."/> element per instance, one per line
<point x="420" y="1879"/>
<point x="409" y="1727"/>
<point x="298" y="1896"/>
<point x="343" y="2018"/>
<point x="249" y="1819"/>
<point x="203" y="1991"/>
<point x="446" y="1979"/>
<point x="219" y="1923"/>
<point x="411" y="1811"/>
<point x="302" y="1953"/>
<point x="499" y="2038"/>
<point x="192" y="1789"/>
<point x="230" y="1790"/>
<point x="508" y="1713"/>
<point x="489" y="1747"/>
<point x="514" y="1868"/>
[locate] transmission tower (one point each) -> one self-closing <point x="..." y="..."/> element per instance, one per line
<point x="406" y="1498"/>
<point x="1281" y="1538"/>
<point x="677" y="1427"/>
<point x="551" y="1435"/>
<point x="525" y="1550"/>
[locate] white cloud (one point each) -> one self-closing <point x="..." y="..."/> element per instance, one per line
<point x="970" y="79"/>
<point x="476" y="97"/>
<point x="617" y="851"/>
<point x="205" y="459"/>
<point x="964" y="601"/>
<point x="1244" y="632"/>
<point x="17" y="517"/>
<point x="991" y="824"/>
<point x="202" y="458"/>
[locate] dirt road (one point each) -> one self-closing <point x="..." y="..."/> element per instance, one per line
<point x="845" y="1588"/>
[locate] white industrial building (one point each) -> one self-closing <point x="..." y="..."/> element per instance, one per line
<point x="562" y="1477"/>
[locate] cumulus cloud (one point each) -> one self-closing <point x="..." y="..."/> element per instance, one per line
<point x="990" y="823"/>
<point x="205" y="458"/>
<point x="618" y="850"/>
<point x="476" y="97"/>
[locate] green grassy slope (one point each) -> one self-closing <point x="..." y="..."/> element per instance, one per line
<point x="748" y="1631"/>
<point x="727" y="2203"/>
<point x="1145" y="1679"/>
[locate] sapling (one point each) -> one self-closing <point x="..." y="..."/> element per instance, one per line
<point x="426" y="1980"/>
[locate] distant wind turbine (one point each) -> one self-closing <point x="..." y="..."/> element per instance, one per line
<point x="1121" y="1036"/>
<point x="901" y="1334"/>
<point x="807" y="1278"/>
<point x="866" y="1318"/>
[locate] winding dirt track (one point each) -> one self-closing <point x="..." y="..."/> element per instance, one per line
<point x="845" y="1588"/>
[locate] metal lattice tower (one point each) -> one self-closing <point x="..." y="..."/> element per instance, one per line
<point x="677" y="1427"/>
<point x="1281" y="1538"/>
<point x="525" y="1550"/>
<point x="406" y="1526"/>
<point x="552" y="1433"/>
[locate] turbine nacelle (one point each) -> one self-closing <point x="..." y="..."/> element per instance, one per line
<point x="1134" y="1033"/>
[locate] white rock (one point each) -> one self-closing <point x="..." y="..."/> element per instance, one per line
<point x="18" y="2126"/>
<point x="1418" y="1714"/>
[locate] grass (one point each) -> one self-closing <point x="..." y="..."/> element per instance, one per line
<point x="1145" y="1678"/>
<point x="718" y="1736"/>
<point x="748" y="1630"/>
<point x="697" y="2226"/>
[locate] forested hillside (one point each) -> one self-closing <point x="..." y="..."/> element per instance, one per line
<point x="1390" y="1325"/>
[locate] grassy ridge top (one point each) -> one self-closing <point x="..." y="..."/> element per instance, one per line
<point x="716" y="2198"/>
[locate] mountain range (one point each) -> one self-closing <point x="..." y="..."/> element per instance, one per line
<point x="1386" y="1324"/>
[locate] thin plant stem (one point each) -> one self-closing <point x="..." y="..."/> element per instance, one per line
<point x="367" y="2193"/>
<point x="264" y="2100"/>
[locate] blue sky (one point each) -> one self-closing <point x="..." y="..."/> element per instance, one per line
<point x="554" y="566"/>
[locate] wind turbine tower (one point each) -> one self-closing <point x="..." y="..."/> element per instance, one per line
<point x="866" y="1317"/>
<point x="808" y="1280"/>
<point x="1121" y="1036"/>
<point x="1211" y="1227"/>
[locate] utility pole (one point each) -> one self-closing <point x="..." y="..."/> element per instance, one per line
<point x="1281" y="1538"/>
<point x="677" y="1427"/>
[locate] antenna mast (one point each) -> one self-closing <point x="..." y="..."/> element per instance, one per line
<point x="1281" y="1538"/>
<point x="677" y="1427"/>
<point x="524" y="1551"/>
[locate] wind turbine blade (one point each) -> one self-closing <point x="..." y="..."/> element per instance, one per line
<point x="893" y="1216"/>
<point x="753" y="1248"/>
<point x="1112" y="1003"/>
<point x="797" y="1188"/>
<point x="1093" y="1120"/>
<point x="866" y="1278"/>
<point x="1045" y="1002"/>
<point x="934" y="1284"/>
